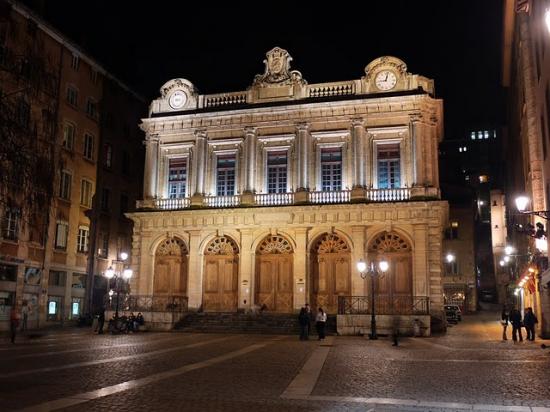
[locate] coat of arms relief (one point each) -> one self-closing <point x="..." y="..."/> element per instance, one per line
<point x="277" y="70"/>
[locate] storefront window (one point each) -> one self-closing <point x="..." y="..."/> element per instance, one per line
<point x="8" y="273"/>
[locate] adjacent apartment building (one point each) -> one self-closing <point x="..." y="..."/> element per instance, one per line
<point x="269" y="197"/>
<point x="526" y="77"/>
<point x="68" y="132"/>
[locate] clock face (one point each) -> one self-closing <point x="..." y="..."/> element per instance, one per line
<point x="385" y="80"/>
<point x="177" y="99"/>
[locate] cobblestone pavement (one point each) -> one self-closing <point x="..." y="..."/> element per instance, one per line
<point x="468" y="368"/>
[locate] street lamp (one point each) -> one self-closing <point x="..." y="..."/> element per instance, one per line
<point x="111" y="273"/>
<point x="372" y="271"/>
<point x="521" y="204"/>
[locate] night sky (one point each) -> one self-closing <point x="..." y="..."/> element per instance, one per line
<point x="221" y="48"/>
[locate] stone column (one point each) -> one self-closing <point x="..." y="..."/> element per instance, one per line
<point x="418" y="159"/>
<point x="150" y="173"/>
<point x="358" y="286"/>
<point x="246" y="266"/>
<point x="194" y="284"/>
<point x="301" y="285"/>
<point x="200" y="162"/>
<point x="359" y="160"/>
<point x="302" y="156"/>
<point x="249" y="165"/>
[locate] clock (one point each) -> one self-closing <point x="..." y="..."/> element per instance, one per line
<point x="385" y="80"/>
<point x="177" y="99"/>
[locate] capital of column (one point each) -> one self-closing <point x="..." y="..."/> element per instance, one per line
<point x="200" y="133"/>
<point x="250" y="130"/>
<point x="151" y="138"/>
<point x="358" y="122"/>
<point x="302" y="126"/>
<point x="415" y="118"/>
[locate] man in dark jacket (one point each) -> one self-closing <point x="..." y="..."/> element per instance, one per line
<point x="304" y="318"/>
<point x="529" y="321"/>
<point x="515" y="320"/>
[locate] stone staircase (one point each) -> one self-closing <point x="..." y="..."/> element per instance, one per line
<point x="266" y="323"/>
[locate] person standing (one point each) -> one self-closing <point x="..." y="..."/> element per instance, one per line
<point x="100" y="321"/>
<point x="529" y="321"/>
<point x="505" y="316"/>
<point x="320" y="323"/>
<point x="304" y="319"/>
<point x="515" y="320"/>
<point x="25" y="315"/>
<point x="14" y="322"/>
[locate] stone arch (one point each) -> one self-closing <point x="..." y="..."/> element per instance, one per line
<point x="330" y="263"/>
<point x="316" y="233"/>
<point x="394" y="289"/>
<point x="221" y="274"/>
<point x="259" y="239"/>
<point x="171" y="266"/>
<point x="274" y="285"/>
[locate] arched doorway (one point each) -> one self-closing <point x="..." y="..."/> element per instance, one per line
<point x="274" y="285"/>
<point x="331" y="272"/>
<point x="170" y="277"/>
<point x="394" y="289"/>
<point x="221" y="271"/>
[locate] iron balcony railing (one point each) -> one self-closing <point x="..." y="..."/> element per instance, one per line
<point x="280" y="199"/>
<point x="147" y="303"/>
<point x="384" y="305"/>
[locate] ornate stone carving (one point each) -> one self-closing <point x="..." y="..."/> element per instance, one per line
<point x="330" y="243"/>
<point x="277" y="70"/>
<point x="385" y="61"/>
<point x="388" y="242"/>
<point x="274" y="244"/>
<point x="222" y="246"/>
<point x="171" y="247"/>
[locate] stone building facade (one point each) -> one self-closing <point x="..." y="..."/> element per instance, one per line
<point x="62" y="94"/>
<point x="526" y="77"/>
<point x="270" y="196"/>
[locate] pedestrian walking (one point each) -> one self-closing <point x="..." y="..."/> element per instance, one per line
<point x="505" y="318"/>
<point x="320" y="323"/>
<point x="515" y="320"/>
<point x="395" y="331"/>
<point x="529" y="321"/>
<point x="25" y="316"/>
<point x="14" y="322"/>
<point x="304" y="320"/>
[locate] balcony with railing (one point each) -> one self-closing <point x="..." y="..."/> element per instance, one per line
<point x="279" y="199"/>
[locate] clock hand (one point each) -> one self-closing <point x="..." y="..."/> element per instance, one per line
<point x="386" y="79"/>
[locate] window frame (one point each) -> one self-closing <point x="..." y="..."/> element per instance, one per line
<point x="10" y="223"/>
<point x="330" y="146"/>
<point x="226" y="188"/>
<point x="62" y="186"/>
<point x="72" y="94"/>
<point x="270" y="151"/>
<point x="181" y="183"/>
<point x="60" y="242"/>
<point x="82" y="239"/>
<point x="89" y="144"/>
<point x="86" y="201"/>
<point x="377" y="144"/>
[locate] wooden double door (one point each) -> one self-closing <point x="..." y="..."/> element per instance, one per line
<point x="170" y="275"/>
<point x="220" y="283"/>
<point x="274" y="282"/>
<point x="394" y="289"/>
<point x="331" y="277"/>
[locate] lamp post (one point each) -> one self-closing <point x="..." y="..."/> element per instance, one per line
<point x="521" y="204"/>
<point x="111" y="273"/>
<point x="373" y="271"/>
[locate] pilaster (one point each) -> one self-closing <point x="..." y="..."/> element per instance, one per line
<point x="358" y="144"/>
<point x="150" y="174"/>
<point x="246" y="274"/>
<point x="194" y="286"/>
<point x="303" y="149"/>
<point x="300" y="268"/>
<point x="358" y="285"/>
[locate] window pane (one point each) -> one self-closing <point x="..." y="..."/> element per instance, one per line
<point x="177" y="178"/>
<point x="277" y="172"/>
<point x="225" y="175"/>
<point x="331" y="169"/>
<point x="389" y="170"/>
